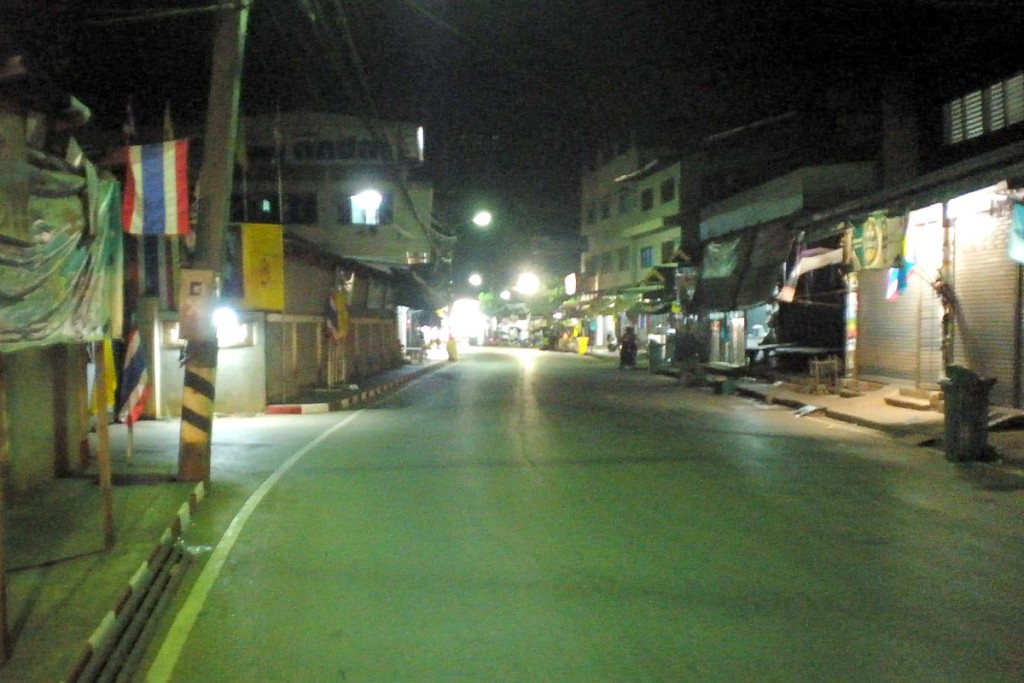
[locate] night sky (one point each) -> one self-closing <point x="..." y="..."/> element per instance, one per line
<point x="515" y="93"/>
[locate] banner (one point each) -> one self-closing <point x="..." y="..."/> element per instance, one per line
<point x="64" y="286"/>
<point x="263" y="266"/>
<point x="156" y="189"/>
<point x="134" y="380"/>
<point x="336" y="315"/>
<point x="1017" y="233"/>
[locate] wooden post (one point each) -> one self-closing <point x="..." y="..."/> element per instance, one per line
<point x="5" y="639"/>
<point x="103" y="447"/>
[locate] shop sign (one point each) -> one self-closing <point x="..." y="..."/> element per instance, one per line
<point x="877" y="242"/>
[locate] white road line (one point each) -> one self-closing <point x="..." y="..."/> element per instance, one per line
<point x="167" y="658"/>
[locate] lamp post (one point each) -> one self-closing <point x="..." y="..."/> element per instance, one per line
<point x="479" y="220"/>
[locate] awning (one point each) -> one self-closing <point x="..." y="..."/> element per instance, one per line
<point x="810" y="260"/>
<point x="411" y="291"/>
<point x="772" y="248"/>
<point x="723" y="263"/>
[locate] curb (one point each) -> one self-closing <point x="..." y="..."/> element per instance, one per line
<point x="772" y="399"/>
<point x="114" y="623"/>
<point x="348" y="401"/>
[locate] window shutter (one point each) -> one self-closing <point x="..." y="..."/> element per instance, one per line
<point x="955" y="121"/>
<point x="974" y="115"/>
<point x="1014" y="97"/>
<point x="995" y="108"/>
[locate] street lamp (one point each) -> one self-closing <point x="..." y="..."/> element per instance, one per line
<point x="527" y="284"/>
<point x="475" y="279"/>
<point x="482" y="219"/>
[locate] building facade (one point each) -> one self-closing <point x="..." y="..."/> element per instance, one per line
<point x="630" y="207"/>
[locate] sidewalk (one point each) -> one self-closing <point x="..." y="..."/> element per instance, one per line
<point x="870" y="409"/>
<point x="66" y="595"/>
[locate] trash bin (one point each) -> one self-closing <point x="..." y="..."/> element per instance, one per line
<point x="656" y="353"/>
<point x="581" y="345"/>
<point x="965" y="395"/>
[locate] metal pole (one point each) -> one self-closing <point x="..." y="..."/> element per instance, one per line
<point x="219" y="142"/>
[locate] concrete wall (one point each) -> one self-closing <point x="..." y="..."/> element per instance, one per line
<point x="46" y="415"/>
<point x="241" y="374"/>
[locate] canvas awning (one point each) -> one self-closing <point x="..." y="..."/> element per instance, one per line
<point x="772" y="247"/>
<point x="723" y="263"/>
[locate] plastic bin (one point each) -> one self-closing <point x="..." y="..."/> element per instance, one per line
<point x="656" y="355"/>
<point x="966" y="400"/>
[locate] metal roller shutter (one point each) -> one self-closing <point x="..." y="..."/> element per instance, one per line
<point x="887" y="331"/>
<point x="985" y="281"/>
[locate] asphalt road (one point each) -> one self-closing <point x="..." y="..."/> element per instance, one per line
<point x="527" y="516"/>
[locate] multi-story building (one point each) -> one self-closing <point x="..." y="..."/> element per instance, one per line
<point x="330" y="217"/>
<point x="630" y="203"/>
<point x="343" y="183"/>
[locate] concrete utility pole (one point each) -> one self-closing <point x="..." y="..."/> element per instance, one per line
<point x="216" y="176"/>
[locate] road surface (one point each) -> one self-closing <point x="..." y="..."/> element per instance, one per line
<point x="529" y="516"/>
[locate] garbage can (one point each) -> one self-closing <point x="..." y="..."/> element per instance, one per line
<point x="581" y="345"/>
<point x="966" y="400"/>
<point x="656" y="353"/>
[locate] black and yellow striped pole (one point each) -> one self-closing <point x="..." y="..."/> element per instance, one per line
<point x="197" y="400"/>
<point x="219" y="140"/>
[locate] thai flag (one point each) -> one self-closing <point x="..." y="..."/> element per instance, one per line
<point x="331" y="328"/>
<point x="134" y="381"/>
<point x="156" y="189"/>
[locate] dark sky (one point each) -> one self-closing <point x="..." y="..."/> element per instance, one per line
<point x="513" y="93"/>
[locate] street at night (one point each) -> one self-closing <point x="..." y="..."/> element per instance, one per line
<point x="528" y="516"/>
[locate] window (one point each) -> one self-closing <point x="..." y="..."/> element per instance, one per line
<point x="647" y="199"/>
<point x="254" y="209"/>
<point x="368" y="207"/>
<point x="606" y="262"/>
<point x="978" y="113"/>
<point x="624" y="200"/>
<point x="606" y="206"/>
<point x="300" y="208"/>
<point x="647" y="257"/>
<point x="623" y="258"/>
<point x="668" y="250"/>
<point x="668" y="190"/>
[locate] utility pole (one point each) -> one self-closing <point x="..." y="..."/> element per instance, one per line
<point x="215" y="178"/>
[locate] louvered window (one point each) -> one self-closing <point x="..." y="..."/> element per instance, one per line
<point x="995" y="108"/>
<point x="974" y="115"/>
<point x="1014" y="96"/>
<point x="955" y="122"/>
<point x="998" y="106"/>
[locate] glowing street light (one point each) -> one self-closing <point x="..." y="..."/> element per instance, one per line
<point x="475" y="280"/>
<point x="527" y="284"/>
<point x="482" y="219"/>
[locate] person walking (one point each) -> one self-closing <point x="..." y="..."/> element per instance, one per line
<point x="627" y="349"/>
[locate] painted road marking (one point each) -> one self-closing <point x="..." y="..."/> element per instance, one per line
<point x="174" y="643"/>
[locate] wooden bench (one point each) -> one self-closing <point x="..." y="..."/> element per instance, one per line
<point x="414" y="354"/>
